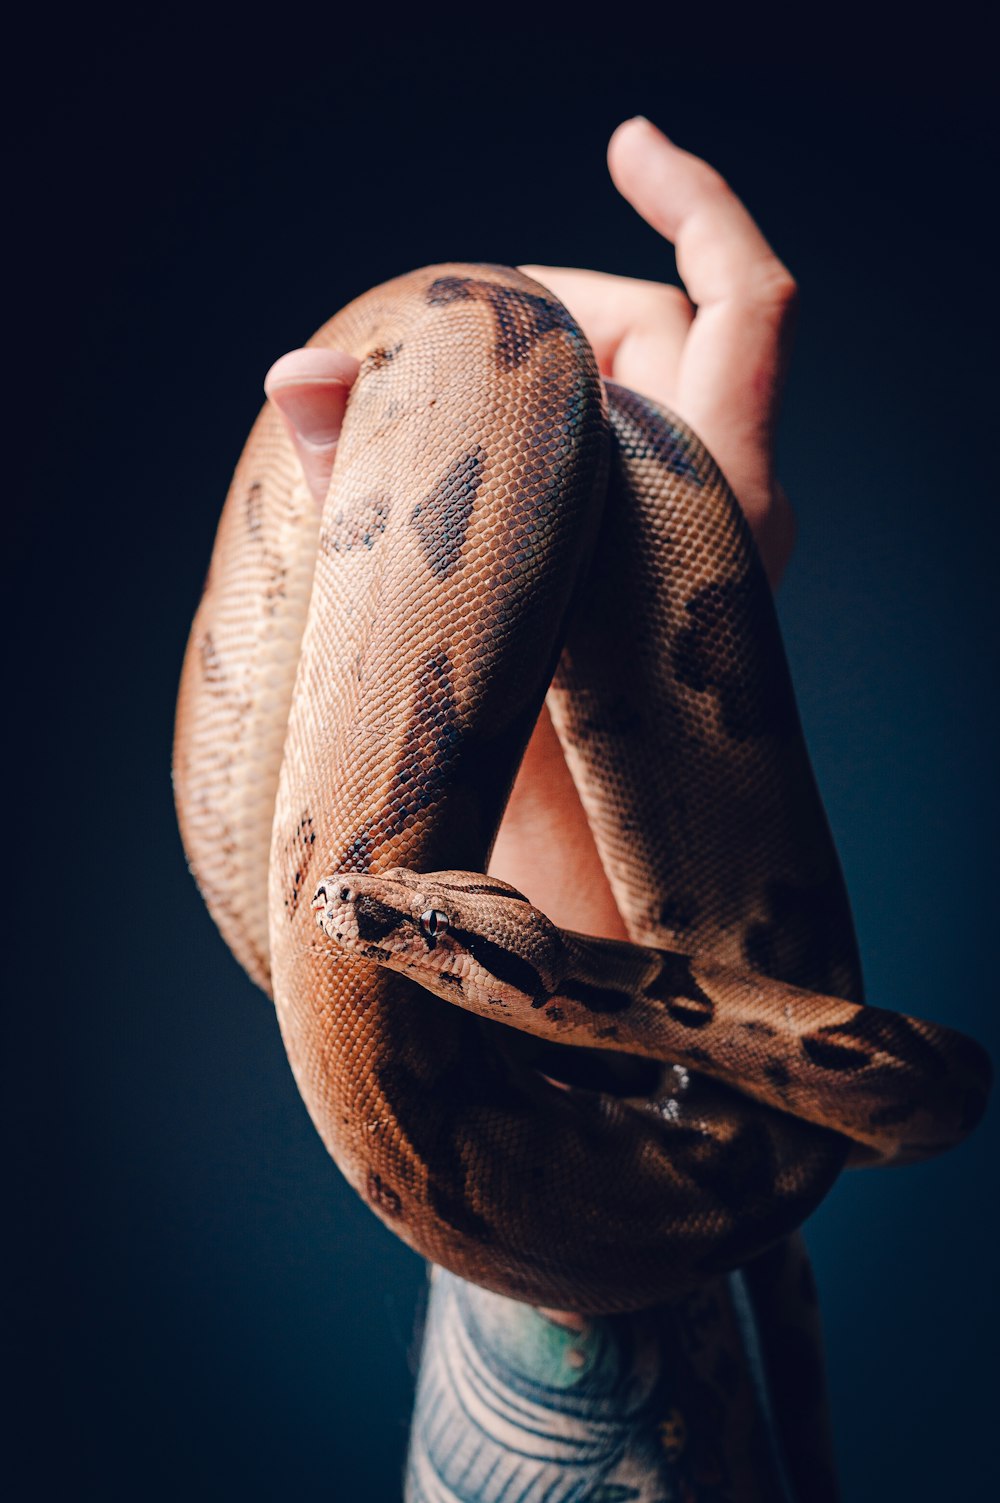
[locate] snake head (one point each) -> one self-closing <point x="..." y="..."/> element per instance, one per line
<point x="467" y="937"/>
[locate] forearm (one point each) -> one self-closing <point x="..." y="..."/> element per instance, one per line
<point x="514" y="1402"/>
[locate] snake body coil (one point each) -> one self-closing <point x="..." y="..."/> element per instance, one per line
<point x="357" y="693"/>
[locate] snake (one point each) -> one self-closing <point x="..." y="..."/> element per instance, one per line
<point x="503" y="529"/>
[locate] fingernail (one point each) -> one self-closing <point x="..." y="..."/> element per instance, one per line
<point x="309" y="389"/>
<point x="315" y="410"/>
<point x="645" y="120"/>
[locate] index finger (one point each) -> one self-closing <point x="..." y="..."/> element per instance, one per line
<point x="736" y="351"/>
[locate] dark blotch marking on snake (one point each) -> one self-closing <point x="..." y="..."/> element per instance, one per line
<point x="599" y="999"/>
<point x="472" y="1085"/>
<point x="357" y="854"/>
<point x="299" y="851"/>
<point x="441" y="520"/>
<point x="675" y="986"/>
<point x="744" y="1174"/>
<point x="802" y="940"/>
<point x="680" y="911"/>
<point x="275" y="589"/>
<point x="426" y="767"/>
<point x="440" y="762"/>
<point x="757" y="1029"/>
<point x="522" y="318"/>
<point x="853" y="1045"/>
<point x="731" y="648"/>
<point x="359" y="526"/>
<point x="377" y="358"/>
<point x="642" y="433"/>
<point x="503" y="965"/>
<point x="776" y="1073"/>
<point x="832" y="1056"/>
<point x="375" y="919"/>
<point x="255" y="508"/>
<point x="476" y="777"/>
<point x="735" y="1167"/>
<point x="619" y="718"/>
<point x="382" y="1195"/>
<point x="211" y="664"/>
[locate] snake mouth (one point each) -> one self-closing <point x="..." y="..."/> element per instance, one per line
<point x="572" y="1067"/>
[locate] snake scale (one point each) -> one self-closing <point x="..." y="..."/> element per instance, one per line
<point x="355" y="699"/>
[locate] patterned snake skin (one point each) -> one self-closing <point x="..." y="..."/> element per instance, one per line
<point x="356" y="695"/>
<point x="872" y="1075"/>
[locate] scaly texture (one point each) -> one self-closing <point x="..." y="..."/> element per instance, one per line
<point x="897" y="1087"/>
<point x="382" y="717"/>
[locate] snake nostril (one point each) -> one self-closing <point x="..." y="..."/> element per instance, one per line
<point x="345" y="894"/>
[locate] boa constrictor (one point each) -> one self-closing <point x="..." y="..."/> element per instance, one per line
<point x="356" y="695"/>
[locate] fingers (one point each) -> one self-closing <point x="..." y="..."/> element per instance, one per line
<point x="730" y="372"/>
<point x="310" y="389"/>
<point x="721" y="254"/>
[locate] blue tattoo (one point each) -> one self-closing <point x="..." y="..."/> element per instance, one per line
<point x="519" y="1405"/>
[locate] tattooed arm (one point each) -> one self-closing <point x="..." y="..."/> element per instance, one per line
<point x="519" y="1403"/>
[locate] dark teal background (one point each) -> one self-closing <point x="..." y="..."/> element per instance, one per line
<point x="201" y="1308"/>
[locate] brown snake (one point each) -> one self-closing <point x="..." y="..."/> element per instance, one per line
<point x="357" y="693"/>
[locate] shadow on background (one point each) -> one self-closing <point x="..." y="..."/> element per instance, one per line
<point x="203" y="1308"/>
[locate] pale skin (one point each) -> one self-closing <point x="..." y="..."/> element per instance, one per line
<point x="715" y="352"/>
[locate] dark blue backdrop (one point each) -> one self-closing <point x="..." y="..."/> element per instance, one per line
<point x="202" y="1308"/>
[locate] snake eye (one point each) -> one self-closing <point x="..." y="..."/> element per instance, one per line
<point x="433" y="922"/>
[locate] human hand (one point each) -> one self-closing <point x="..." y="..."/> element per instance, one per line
<point x="716" y="353"/>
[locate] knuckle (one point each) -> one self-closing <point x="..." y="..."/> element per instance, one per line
<point x="710" y="180"/>
<point x="671" y="300"/>
<point x="775" y="287"/>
